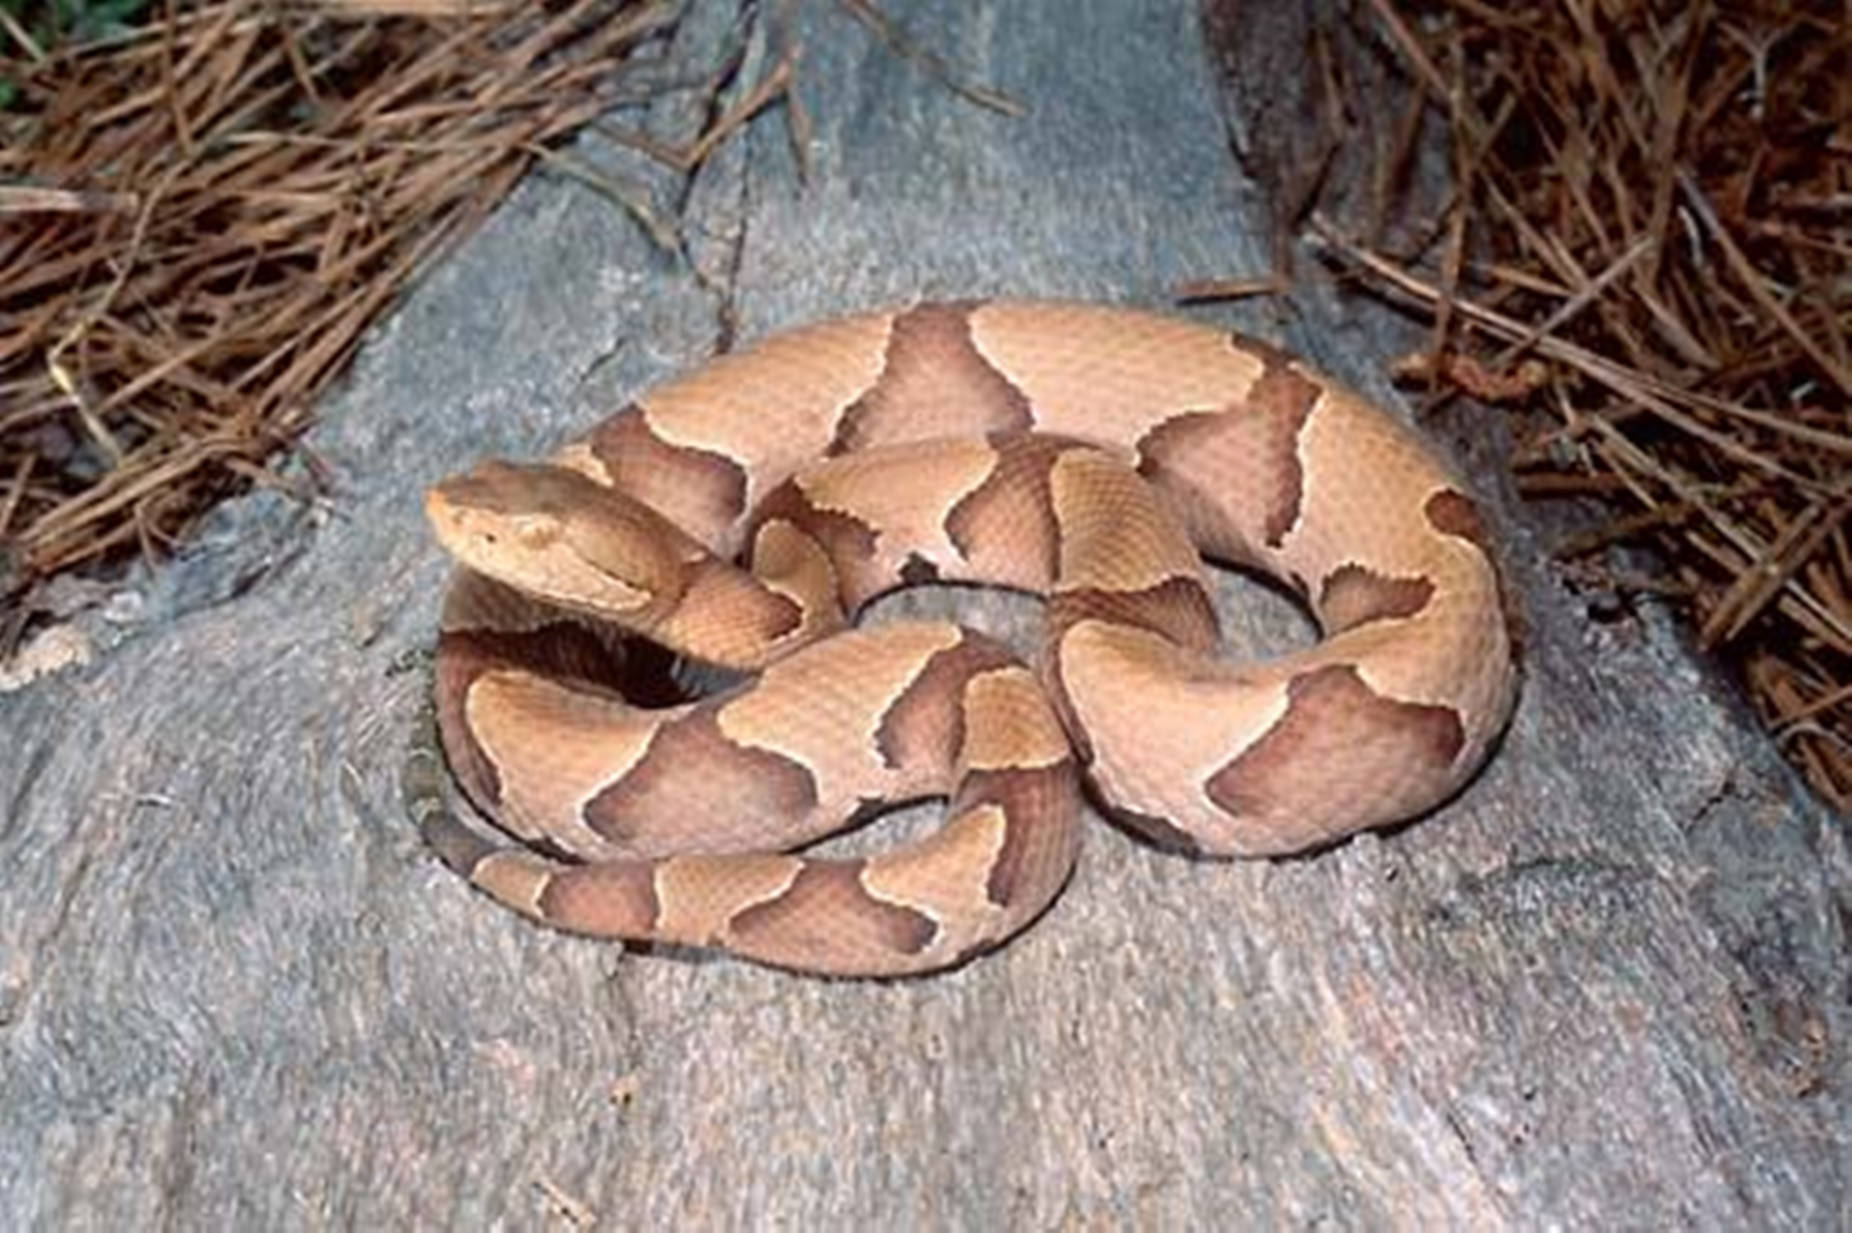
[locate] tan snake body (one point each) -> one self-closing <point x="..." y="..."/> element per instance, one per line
<point x="1089" y="454"/>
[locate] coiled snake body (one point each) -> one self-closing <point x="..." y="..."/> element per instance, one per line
<point x="1091" y="455"/>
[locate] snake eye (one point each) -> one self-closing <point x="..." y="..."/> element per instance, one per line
<point x="539" y="532"/>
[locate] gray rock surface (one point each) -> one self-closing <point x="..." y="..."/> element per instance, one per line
<point x="1606" y="986"/>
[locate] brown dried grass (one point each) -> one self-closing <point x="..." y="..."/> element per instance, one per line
<point x="199" y="218"/>
<point x="1650" y="236"/>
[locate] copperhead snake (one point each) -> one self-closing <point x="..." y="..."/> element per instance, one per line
<point x="1088" y="454"/>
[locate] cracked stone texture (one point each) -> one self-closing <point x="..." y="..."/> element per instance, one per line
<point x="1606" y="986"/>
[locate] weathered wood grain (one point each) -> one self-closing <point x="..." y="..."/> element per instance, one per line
<point x="1606" y="986"/>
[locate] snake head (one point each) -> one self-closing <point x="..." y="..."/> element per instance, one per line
<point x="560" y="536"/>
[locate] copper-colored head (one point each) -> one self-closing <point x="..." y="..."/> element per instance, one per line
<point x="557" y="535"/>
